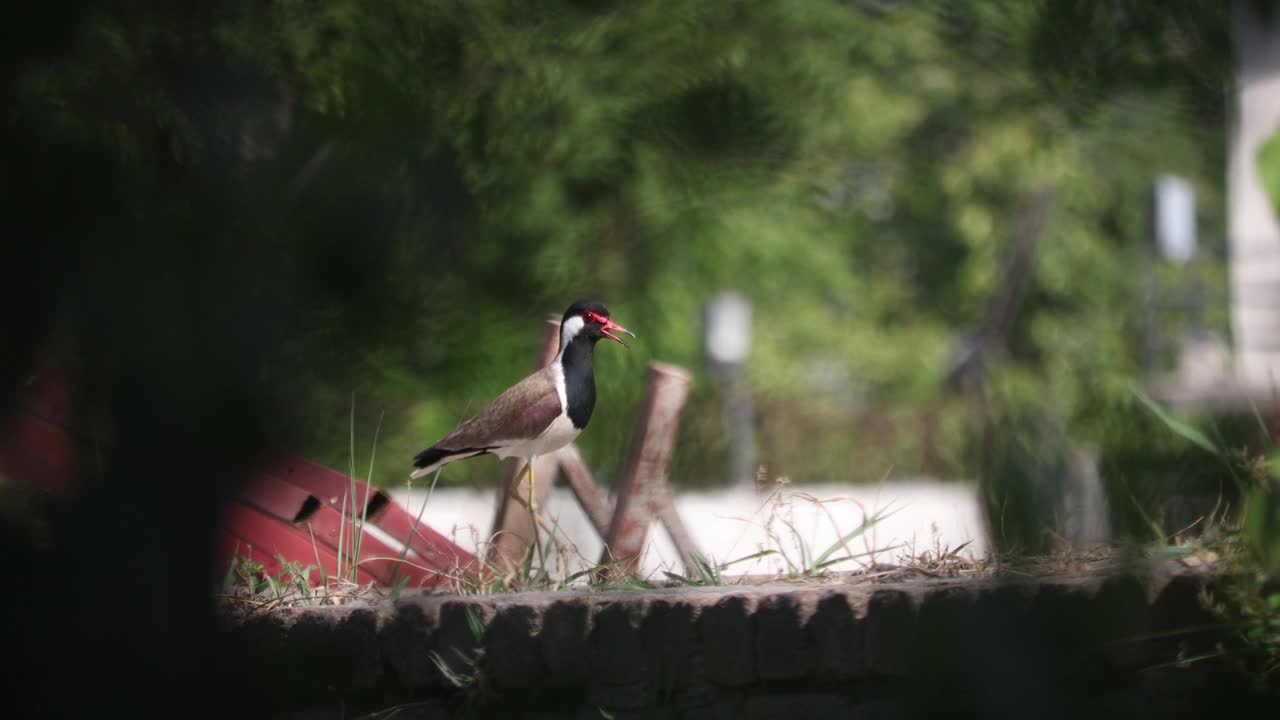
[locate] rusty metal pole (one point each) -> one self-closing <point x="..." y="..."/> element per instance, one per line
<point x="512" y="526"/>
<point x="643" y="494"/>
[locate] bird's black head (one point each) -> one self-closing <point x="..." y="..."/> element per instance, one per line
<point x="576" y="309"/>
<point x="590" y="319"/>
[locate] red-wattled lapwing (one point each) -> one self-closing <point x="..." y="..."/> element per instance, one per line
<point x="540" y="414"/>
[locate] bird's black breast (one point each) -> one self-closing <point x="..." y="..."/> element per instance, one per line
<point x="579" y="383"/>
<point x="582" y="400"/>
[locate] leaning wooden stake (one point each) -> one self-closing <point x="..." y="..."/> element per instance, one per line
<point x="643" y="493"/>
<point x="593" y="502"/>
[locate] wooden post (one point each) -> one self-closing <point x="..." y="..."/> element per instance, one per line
<point x="643" y="493"/>
<point x="593" y="502"/>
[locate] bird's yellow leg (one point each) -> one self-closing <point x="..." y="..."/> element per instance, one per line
<point x="514" y="490"/>
<point x="533" y="489"/>
<point x="531" y="505"/>
<point x="533" y="512"/>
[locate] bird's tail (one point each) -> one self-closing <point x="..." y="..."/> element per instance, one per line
<point x="428" y="469"/>
<point x="433" y="458"/>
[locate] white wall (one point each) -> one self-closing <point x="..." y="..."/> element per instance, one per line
<point x="1253" y="230"/>
<point x="731" y="524"/>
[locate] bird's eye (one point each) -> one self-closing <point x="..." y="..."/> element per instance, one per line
<point x="590" y="317"/>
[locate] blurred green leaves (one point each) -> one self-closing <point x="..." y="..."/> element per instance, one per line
<point x="1262" y="527"/>
<point x="1176" y="425"/>
<point x="1269" y="168"/>
<point x="450" y="173"/>
<point x="1260" y="517"/>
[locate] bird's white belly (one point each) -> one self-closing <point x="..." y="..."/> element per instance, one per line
<point x="559" y="433"/>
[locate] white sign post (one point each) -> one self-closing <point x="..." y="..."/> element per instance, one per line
<point x="728" y="343"/>
<point x="1175" y="219"/>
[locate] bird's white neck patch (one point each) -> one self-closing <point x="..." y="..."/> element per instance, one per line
<point x="569" y="329"/>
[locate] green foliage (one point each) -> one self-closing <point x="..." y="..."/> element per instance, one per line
<point x="1155" y="455"/>
<point x="291" y="583"/>
<point x="1029" y="462"/>
<point x="1262" y="527"/>
<point x="1179" y="427"/>
<point x="465" y="670"/>
<point x="1247" y="599"/>
<point x="1269" y="168"/>
<point x="1261" y="517"/>
<point x="1251" y="606"/>
<point x="451" y="173"/>
<point x="709" y="574"/>
<point x="1249" y="460"/>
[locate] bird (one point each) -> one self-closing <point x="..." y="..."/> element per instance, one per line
<point x="542" y="413"/>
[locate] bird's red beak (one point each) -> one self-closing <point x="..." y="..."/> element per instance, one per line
<point x="611" y="325"/>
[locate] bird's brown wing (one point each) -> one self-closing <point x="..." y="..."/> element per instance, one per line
<point x="523" y="411"/>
